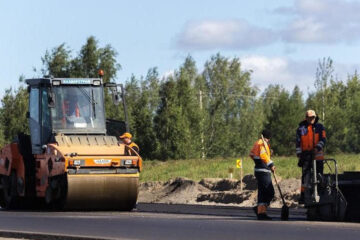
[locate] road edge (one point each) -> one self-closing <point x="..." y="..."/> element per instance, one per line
<point x="46" y="236"/>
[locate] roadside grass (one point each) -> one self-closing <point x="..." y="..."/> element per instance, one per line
<point x="197" y="169"/>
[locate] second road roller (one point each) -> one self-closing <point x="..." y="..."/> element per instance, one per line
<point x="70" y="159"/>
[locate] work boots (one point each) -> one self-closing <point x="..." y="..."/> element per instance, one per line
<point x="261" y="213"/>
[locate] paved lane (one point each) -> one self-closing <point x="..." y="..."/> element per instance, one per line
<point x="149" y="225"/>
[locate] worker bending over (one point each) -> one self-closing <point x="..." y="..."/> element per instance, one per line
<point x="126" y="139"/>
<point x="260" y="153"/>
<point x="310" y="142"/>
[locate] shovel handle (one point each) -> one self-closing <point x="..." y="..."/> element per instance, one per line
<point x="277" y="184"/>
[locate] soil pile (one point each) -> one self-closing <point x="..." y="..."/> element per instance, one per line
<point x="215" y="191"/>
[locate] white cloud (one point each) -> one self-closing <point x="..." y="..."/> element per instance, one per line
<point x="223" y="34"/>
<point x="278" y="70"/>
<point x="305" y="30"/>
<point x="309" y="21"/>
<point x="289" y="73"/>
<point x="322" y="21"/>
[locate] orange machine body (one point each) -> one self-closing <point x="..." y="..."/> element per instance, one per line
<point x="58" y="160"/>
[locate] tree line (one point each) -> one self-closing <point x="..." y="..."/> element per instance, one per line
<point x="215" y="112"/>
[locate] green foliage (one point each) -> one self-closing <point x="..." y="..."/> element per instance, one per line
<point x="208" y="114"/>
<point x="284" y="112"/>
<point x="233" y="117"/>
<point x="188" y="99"/>
<point x="338" y="103"/>
<point x="59" y="62"/>
<point x="324" y="76"/>
<point x="351" y="107"/>
<point x="143" y="116"/>
<point x="13" y="114"/>
<point x="171" y="126"/>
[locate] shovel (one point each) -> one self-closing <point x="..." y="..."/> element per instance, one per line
<point x="285" y="208"/>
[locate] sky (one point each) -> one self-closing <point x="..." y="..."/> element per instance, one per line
<point x="281" y="41"/>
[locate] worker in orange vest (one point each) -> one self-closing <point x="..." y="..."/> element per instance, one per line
<point x="310" y="142"/>
<point x="126" y="139"/>
<point x="261" y="154"/>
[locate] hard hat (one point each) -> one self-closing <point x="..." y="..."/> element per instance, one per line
<point x="126" y="135"/>
<point x="310" y="113"/>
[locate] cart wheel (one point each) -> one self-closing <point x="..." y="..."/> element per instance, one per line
<point x="312" y="214"/>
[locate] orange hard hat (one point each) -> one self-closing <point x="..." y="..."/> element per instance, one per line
<point x="126" y="135"/>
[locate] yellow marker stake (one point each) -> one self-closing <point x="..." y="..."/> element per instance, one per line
<point x="239" y="165"/>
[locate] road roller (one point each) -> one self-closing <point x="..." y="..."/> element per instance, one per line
<point x="71" y="158"/>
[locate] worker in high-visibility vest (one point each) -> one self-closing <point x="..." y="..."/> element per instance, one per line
<point x="126" y="139"/>
<point x="310" y="142"/>
<point x="261" y="154"/>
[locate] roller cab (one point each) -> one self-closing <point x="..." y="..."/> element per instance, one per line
<point x="71" y="159"/>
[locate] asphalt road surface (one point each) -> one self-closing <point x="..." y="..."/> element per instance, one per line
<point x="161" y="221"/>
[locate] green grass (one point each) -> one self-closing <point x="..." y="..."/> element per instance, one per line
<point x="197" y="169"/>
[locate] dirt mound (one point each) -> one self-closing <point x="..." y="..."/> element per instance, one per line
<point x="249" y="182"/>
<point x="179" y="190"/>
<point x="215" y="191"/>
<point x="220" y="184"/>
<point x="290" y="188"/>
<point x="224" y="197"/>
<point x="151" y="185"/>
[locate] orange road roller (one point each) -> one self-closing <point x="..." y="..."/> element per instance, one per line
<point x="70" y="159"/>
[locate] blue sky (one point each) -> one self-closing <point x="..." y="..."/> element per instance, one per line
<point x="281" y="41"/>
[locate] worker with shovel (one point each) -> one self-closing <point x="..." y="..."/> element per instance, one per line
<point x="260" y="153"/>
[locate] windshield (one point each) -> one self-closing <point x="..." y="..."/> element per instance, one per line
<point x="78" y="109"/>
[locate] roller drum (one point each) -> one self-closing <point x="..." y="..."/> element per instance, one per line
<point x="102" y="191"/>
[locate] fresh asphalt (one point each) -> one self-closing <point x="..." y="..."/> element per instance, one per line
<point x="162" y="221"/>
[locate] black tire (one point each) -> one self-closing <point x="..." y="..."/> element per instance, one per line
<point x="10" y="196"/>
<point x="327" y="212"/>
<point x="2" y="200"/>
<point x="57" y="194"/>
<point x="312" y="214"/>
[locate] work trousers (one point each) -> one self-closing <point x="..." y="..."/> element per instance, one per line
<point x="265" y="188"/>
<point x="307" y="166"/>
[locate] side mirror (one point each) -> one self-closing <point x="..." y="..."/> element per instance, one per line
<point x="51" y="99"/>
<point x="116" y="97"/>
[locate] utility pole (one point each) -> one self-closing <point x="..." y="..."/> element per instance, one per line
<point x="125" y="108"/>
<point x="202" y="126"/>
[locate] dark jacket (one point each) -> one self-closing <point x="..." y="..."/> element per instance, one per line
<point x="305" y="139"/>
